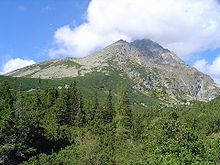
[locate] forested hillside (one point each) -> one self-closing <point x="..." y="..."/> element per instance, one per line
<point x="66" y="126"/>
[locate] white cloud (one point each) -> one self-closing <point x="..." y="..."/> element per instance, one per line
<point x="21" y="8"/>
<point x="47" y="9"/>
<point x="212" y="69"/>
<point x="201" y="65"/>
<point x="184" y="26"/>
<point x="14" y="64"/>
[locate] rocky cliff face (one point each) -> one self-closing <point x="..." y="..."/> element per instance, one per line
<point x="146" y="63"/>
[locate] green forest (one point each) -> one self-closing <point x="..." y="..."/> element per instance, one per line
<point x="66" y="126"/>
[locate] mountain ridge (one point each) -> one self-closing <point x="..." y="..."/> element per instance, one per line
<point x="146" y="63"/>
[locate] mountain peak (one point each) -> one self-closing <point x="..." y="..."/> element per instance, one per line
<point x="149" y="47"/>
<point x="146" y="63"/>
<point x="121" y="41"/>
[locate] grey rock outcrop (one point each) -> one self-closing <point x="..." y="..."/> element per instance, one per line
<point x="146" y="63"/>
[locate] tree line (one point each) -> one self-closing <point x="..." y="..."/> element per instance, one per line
<point x="61" y="126"/>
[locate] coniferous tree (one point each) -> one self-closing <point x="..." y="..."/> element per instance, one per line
<point x="61" y="107"/>
<point x="37" y="101"/>
<point x="93" y="111"/>
<point x="17" y="104"/>
<point x="69" y="106"/>
<point x="8" y="132"/>
<point x="123" y="118"/>
<point x="22" y="131"/>
<point x="6" y="99"/>
<point x="80" y="117"/>
<point x="105" y="113"/>
<point x="38" y="83"/>
<point x="36" y="112"/>
<point x="109" y="111"/>
<point x="50" y="97"/>
<point x="73" y="103"/>
<point x="31" y="122"/>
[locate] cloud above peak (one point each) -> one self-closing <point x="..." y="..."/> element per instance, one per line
<point x="14" y="64"/>
<point x="212" y="69"/>
<point x="184" y="26"/>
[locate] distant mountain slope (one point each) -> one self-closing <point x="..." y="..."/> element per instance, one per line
<point x="147" y="64"/>
<point x="89" y="84"/>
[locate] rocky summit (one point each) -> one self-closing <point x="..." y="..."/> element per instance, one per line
<point x="147" y="64"/>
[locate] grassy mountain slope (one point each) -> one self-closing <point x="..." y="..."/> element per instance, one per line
<point x="147" y="64"/>
<point x="89" y="84"/>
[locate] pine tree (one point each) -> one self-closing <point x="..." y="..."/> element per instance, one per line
<point x="109" y="111"/>
<point x="37" y="101"/>
<point x="6" y="99"/>
<point x="73" y="102"/>
<point x="92" y="112"/>
<point x="17" y="104"/>
<point x="22" y="130"/>
<point x="50" y="97"/>
<point x="61" y="108"/>
<point x="106" y="113"/>
<point x="123" y="117"/>
<point x="69" y="107"/>
<point x="35" y="112"/>
<point x="38" y="83"/>
<point x="80" y="117"/>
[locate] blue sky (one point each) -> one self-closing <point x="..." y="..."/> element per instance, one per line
<point x="36" y="30"/>
<point x="27" y="26"/>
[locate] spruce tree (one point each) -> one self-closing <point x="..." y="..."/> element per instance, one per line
<point x="17" y="104"/>
<point x="72" y="103"/>
<point x="106" y="113"/>
<point x="93" y="111"/>
<point x="69" y="107"/>
<point x="123" y="118"/>
<point x="109" y="111"/>
<point x="6" y="99"/>
<point x="61" y="107"/>
<point x="50" y="97"/>
<point x="80" y="116"/>
<point x="37" y="101"/>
